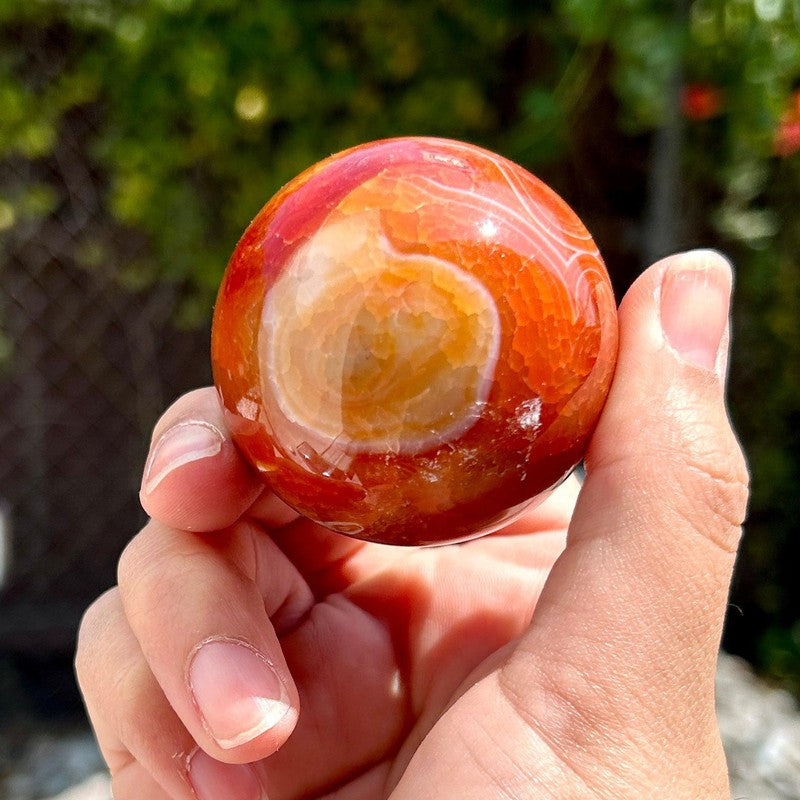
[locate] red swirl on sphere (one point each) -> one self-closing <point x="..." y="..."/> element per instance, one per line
<point x="413" y="341"/>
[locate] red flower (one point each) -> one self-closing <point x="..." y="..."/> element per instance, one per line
<point x="787" y="137"/>
<point x="701" y="101"/>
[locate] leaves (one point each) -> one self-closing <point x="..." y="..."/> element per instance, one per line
<point x="193" y="112"/>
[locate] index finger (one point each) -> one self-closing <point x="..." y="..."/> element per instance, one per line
<point x="194" y="478"/>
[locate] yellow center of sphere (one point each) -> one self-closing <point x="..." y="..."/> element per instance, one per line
<point x="376" y="349"/>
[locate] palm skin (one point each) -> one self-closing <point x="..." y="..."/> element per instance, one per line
<point x="411" y="632"/>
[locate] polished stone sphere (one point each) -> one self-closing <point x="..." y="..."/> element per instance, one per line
<point x="413" y="341"/>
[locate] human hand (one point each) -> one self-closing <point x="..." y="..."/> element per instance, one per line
<point x="247" y="652"/>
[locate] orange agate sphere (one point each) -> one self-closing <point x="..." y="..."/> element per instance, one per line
<point x="413" y="340"/>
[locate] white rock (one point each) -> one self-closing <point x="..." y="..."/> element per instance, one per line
<point x="97" y="787"/>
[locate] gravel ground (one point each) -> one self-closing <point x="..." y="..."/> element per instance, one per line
<point x="760" y="727"/>
<point x="62" y="763"/>
<point x="761" y="730"/>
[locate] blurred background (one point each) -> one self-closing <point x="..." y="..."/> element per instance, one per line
<point x="139" y="137"/>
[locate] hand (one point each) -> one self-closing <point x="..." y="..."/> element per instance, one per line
<point x="247" y="651"/>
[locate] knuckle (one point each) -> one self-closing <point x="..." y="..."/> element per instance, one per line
<point x="141" y="563"/>
<point x="92" y="632"/>
<point x="129" y="558"/>
<point x="715" y="484"/>
<point x="141" y="579"/>
<point x="161" y="581"/>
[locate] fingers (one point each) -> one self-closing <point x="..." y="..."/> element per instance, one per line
<point x="215" y="653"/>
<point x="637" y="600"/>
<point x="149" y="751"/>
<point x="188" y="653"/>
<point x="194" y="478"/>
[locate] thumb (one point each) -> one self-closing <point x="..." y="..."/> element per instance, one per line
<point x="628" y="626"/>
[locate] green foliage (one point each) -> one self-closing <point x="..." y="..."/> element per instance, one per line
<point x="201" y="109"/>
<point x="208" y="106"/>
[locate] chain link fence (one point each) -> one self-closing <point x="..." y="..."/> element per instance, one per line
<point x="86" y="367"/>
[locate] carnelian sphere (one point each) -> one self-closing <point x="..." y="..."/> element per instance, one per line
<point x="413" y="340"/>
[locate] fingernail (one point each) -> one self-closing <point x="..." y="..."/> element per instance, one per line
<point x="695" y="303"/>
<point x="237" y="692"/>
<point x="181" y="444"/>
<point x="212" y="780"/>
